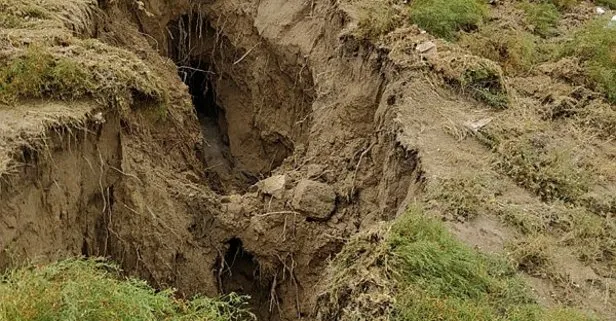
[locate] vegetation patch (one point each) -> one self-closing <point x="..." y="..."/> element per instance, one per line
<point x="551" y="173"/>
<point x="423" y="273"/>
<point x="377" y="18"/>
<point x="516" y="51"/>
<point x="444" y="18"/>
<point x="479" y="77"/>
<point x="534" y="256"/>
<point x="92" y="290"/>
<point x="461" y="198"/>
<point x="542" y="18"/>
<point x="53" y="62"/>
<point x="595" y="44"/>
<point x="608" y="3"/>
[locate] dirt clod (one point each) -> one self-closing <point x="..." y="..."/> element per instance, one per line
<point x="313" y="199"/>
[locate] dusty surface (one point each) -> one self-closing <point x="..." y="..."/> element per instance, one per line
<point x="357" y="131"/>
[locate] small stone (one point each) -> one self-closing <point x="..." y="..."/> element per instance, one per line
<point x="313" y="199"/>
<point x="477" y="125"/>
<point x="274" y="186"/>
<point x="599" y="10"/>
<point x="426" y="48"/>
<point x="98" y="118"/>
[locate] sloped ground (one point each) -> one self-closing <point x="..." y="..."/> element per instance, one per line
<point x="352" y="113"/>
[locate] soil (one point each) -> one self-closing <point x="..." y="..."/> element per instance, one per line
<point x="278" y="88"/>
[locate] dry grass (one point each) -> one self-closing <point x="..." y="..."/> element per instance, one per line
<point x="416" y="271"/>
<point x="516" y="51"/>
<point x="47" y="59"/>
<point x="479" y="77"/>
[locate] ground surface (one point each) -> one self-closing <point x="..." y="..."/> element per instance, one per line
<point x="239" y="146"/>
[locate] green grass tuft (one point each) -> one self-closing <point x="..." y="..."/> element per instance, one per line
<point x="441" y="279"/>
<point x="444" y="18"/>
<point x="91" y="290"/>
<point x="416" y="270"/>
<point x="542" y="17"/>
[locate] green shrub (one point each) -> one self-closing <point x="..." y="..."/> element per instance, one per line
<point x="91" y="290"/>
<point x="444" y="18"/>
<point x="595" y="45"/>
<point x="542" y="17"/>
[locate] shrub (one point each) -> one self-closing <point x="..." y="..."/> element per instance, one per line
<point x="444" y="18"/>
<point x="91" y="290"/>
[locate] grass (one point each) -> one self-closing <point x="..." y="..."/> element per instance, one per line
<point x="485" y="84"/>
<point x="91" y="290"/>
<point x="425" y="274"/>
<point x="608" y="3"/>
<point x="542" y="18"/>
<point x="444" y="18"/>
<point x="55" y="63"/>
<point x="595" y="44"/>
<point x="533" y="255"/>
<point x="479" y="77"/>
<point x="516" y="51"/>
<point x="377" y="18"/>
<point x="550" y="172"/>
<point x="462" y="198"/>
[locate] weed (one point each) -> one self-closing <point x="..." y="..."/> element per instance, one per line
<point x="486" y="85"/>
<point x="541" y="17"/>
<point x="479" y="77"/>
<point x="444" y="18"/>
<point x="92" y="290"/>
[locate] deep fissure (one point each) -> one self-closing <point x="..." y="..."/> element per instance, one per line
<point x="253" y="108"/>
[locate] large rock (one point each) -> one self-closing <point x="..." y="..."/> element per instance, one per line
<point x="313" y="199"/>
